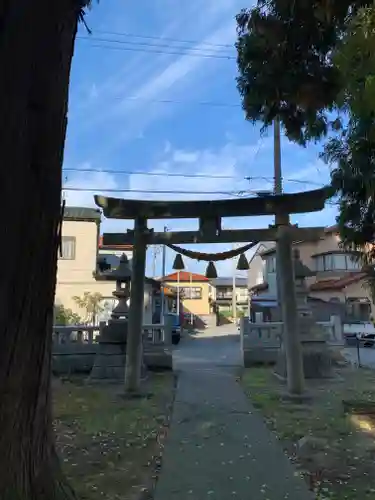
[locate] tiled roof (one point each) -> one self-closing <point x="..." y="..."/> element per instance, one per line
<point x="185" y="276"/>
<point x="269" y="251"/>
<point x="114" y="247"/>
<point x="82" y="214"/>
<point x="337" y="284"/>
<point x="240" y="282"/>
<point x="260" y="287"/>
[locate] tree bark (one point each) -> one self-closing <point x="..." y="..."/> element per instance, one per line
<point x="36" y="48"/>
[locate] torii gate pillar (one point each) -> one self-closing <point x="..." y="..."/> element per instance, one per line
<point x="134" y="351"/>
<point x="287" y="300"/>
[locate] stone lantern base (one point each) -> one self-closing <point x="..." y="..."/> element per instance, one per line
<point x="109" y="362"/>
<point x="317" y="362"/>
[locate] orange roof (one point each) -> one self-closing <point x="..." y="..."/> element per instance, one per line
<point x="337" y="284"/>
<point x="114" y="247"/>
<point x="185" y="276"/>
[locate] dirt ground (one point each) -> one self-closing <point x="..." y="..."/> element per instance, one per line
<point x="331" y="438"/>
<point x="111" y="447"/>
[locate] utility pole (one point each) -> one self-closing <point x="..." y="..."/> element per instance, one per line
<point x="154" y="257"/>
<point x="285" y="277"/>
<point x="163" y="271"/>
<point x="178" y="293"/>
<point x="234" y="297"/>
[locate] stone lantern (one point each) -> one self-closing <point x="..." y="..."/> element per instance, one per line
<point x="110" y="359"/>
<point x="315" y="351"/>
<point x="122" y="276"/>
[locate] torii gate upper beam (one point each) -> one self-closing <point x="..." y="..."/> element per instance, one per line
<point x="308" y="201"/>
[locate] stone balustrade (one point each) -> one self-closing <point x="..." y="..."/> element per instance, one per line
<point x="157" y="333"/>
<point x="74" y="347"/>
<point x="75" y="334"/>
<point x="260" y="342"/>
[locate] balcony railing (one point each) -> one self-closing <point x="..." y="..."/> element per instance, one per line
<point x="229" y="296"/>
<point x="224" y="296"/>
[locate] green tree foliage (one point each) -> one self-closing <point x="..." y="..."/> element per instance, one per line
<point x="353" y="152"/>
<point x="92" y="305"/>
<point x="285" y="67"/>
<point x="65" y="317"/>
<point x="310" y="62"/>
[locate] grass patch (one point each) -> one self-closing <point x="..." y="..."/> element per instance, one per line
<point x="334" y="450"/>
<point x="110" y="447"/>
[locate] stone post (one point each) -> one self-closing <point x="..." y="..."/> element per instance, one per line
<point x="291" y="337"/>
<point x="167" y="330"/>
<point x="337" y="329"/>
<point x="134" y="349"/>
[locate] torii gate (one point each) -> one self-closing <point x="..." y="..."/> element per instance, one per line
<point x="210" y="214"/>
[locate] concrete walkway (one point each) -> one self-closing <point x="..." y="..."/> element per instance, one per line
<point x="218" y="447"/>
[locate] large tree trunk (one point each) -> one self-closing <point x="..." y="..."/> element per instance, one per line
<point x="36" y="47"/>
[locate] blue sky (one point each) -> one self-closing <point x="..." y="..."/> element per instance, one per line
<point x="137" y="88"/>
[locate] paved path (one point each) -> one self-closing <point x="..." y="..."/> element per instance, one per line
<point x="218" y="447"/>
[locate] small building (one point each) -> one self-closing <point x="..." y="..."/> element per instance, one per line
<point x="196" y="294"/>
<point x="256" y="274"/>
<point x="224" y="294"/>
<point x="338" y="286"/>
<point x="84" y="258"/>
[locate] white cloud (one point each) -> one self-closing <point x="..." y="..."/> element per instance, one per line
<point x="225" y="162"/>
<point x="125" y="93"/>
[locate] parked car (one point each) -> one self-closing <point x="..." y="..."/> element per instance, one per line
<point x="176" y="328"/>
<point x="367" y="339"/>
<point x="360" y="339"/>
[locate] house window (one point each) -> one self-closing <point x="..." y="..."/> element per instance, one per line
<point x="339" y="262"/>
<point x="271" y="264"/>
<point x="336" y="262"/>
<point x="352" y="264"/>
<point x="191" y="292"/>
<point x="68" y="248"/>
<point x="225" y="293"/>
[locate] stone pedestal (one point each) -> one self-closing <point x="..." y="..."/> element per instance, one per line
<point x="316" y="360"/>
<point x="110" y="360"/>
<point x="316" y="354"/>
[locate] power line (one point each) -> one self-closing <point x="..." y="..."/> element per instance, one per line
<point x="167" y="39"/>
<point x="178" y="53"/>
<point x="188" y="176"/>
<point x="91" y="38"/>
<point x="298" y="181"/>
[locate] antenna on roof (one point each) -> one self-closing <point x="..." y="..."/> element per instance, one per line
<point x="63" y="193"/>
